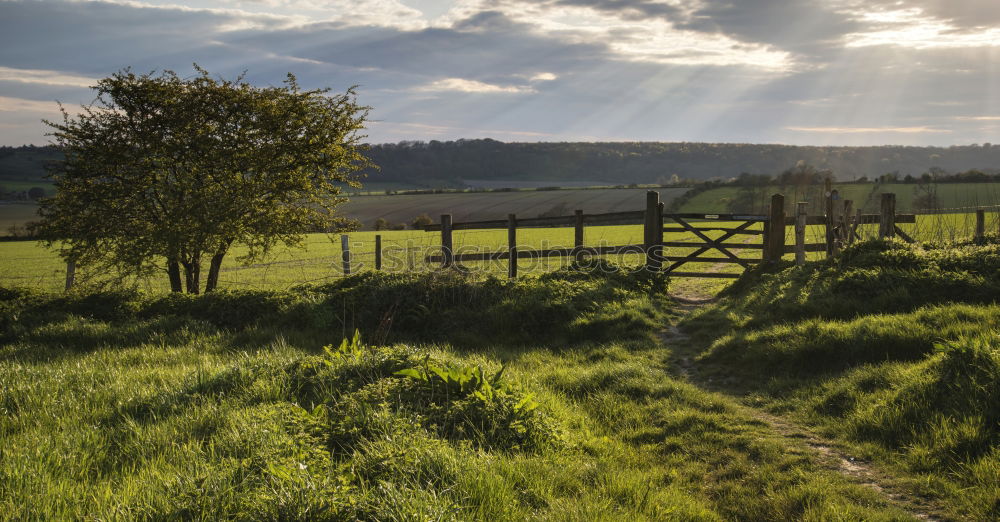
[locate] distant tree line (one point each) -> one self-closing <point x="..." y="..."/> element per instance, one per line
<point x="438" y="164"/>
<point x="446" y="164"/>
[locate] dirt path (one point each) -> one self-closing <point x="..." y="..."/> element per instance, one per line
<point x="829" y="453"/>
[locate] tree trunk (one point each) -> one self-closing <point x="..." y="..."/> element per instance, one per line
<point x="213" y="270"/>
<point x="174" y="273"/>
<point x="192" y="274"/>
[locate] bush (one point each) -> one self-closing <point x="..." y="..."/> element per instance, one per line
<point x="421" y="221"/>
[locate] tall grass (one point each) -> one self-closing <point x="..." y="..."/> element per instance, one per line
<point x="249" y="406"/>
<point x="892" y="348"/>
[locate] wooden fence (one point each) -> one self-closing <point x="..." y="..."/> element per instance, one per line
<point x="840" y="221"/>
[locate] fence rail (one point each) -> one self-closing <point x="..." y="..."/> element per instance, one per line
<point x="841" y="226"/>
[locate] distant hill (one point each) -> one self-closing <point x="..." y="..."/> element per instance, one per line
<point x="451" y="163"/>
<point x="489" y="162"/>
<point x="26" y="163"/>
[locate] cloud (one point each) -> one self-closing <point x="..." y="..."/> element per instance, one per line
<point x="471" y="86"/>
<point x="43" y="77"/>
<point x="914" y="28"/>
<point x="8" y="104"/>
<point x="964" y="14"/>
<point x="870" y="130"/>
<point x="685" y="70"/>
<point x="543" y="77"/>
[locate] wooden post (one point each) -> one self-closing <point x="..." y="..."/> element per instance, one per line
<point x="658" y="237"/>
<point x="828" y="213"/>
<point x="800" y="232"/>
<point x="776" y="220"/>
<point x="378" y="251"/>
<point x="70" y="274"/>
<point x="845" y="222"/>
<point x="447" y="254"/>
<point x="345" y="252"/>
<point x="887" y="219"/>
<point x="578" y="237"/>
<point x="512" y="246"/>
<point x="650" y="227"/>
<point x="834" y="220"/>
<point x="856" y="224"/>
<point x="980" y="226"/>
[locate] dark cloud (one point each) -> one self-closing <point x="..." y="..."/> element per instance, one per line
<point x="802" y="26"/>
<point x="629" y="9"/>
<point x="807" y="27"/>
<point x="485" y="47"/>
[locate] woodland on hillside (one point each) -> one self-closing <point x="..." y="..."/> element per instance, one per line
<point x="449" y="164"/>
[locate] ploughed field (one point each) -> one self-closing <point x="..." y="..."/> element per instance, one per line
<point x="463" y="206"/>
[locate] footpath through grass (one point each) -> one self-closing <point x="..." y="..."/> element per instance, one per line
<point x="892" y="350"/>
<point x="543" y="398"/>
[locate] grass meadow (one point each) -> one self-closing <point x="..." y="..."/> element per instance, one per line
<point x="545" y="398"/>
<point x="891" y="349"/>
<point x="296" y="393"/>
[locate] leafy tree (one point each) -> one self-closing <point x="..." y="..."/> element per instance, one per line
<point x="421" y="221"/>
<point x="36" y="193"/>
<point x="161" y="167"/>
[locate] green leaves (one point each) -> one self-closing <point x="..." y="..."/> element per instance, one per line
<point x="352" y="349"/>
<point x="459" y="381"/>
<point x="164" y="167"/>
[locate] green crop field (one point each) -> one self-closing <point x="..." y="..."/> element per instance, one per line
<point x="952" y="196"/>
<point x="27" y="263"/>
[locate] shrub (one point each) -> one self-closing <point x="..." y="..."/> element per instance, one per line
<point x="421" y="221"/>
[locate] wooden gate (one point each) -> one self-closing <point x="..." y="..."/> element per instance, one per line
<point x="731" y="226"/>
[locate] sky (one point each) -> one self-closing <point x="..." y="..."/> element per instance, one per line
<point x="806" y="72"/>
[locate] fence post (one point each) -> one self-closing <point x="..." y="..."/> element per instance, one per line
<point x="345" y="249"/>
<point x="650" y="226"/>
<point x="800" y="232"/>
<point x="447" y="255"/>
<point x="70" y="274"/>
<point x="835" y="221"/>
<point x="828" y="213"/>
<point x="857" y="223"/>
<point x="578" y="237"/>
<point x="980" y="226"/>
<point x="776" y="239"/>
<point x="512" y="246"/>
<point x="845" y="223"/>
<point x="378" y="251"/>
<point x="887" y="219"/>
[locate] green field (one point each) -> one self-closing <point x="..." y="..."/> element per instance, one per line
<point x="952" y="197"/>
<point x="27" y="263"/>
